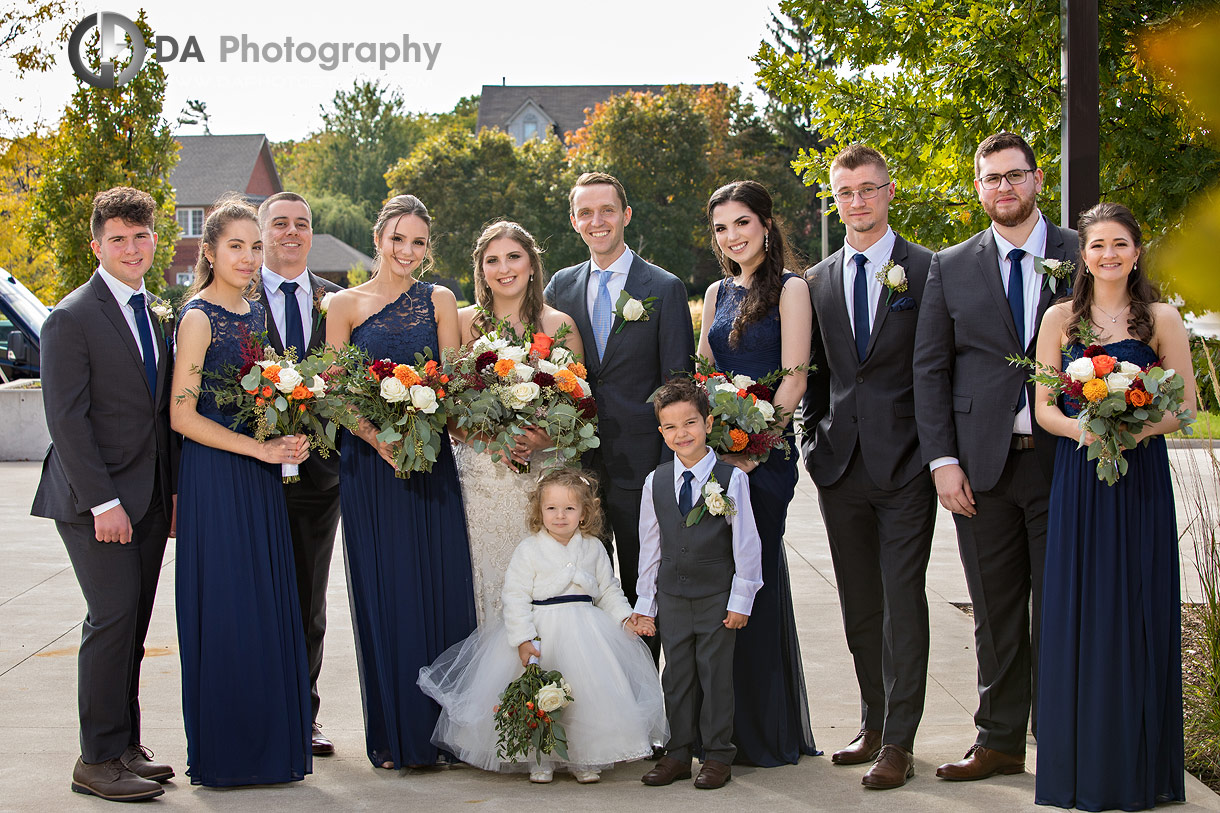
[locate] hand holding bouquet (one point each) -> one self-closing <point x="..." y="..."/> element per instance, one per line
<point x="527" y="716"/>
<point x="745" y="419"/>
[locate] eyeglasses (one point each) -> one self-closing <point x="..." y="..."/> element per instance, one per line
<point x="1015" y="177"/>
<point x="865" y="192"/>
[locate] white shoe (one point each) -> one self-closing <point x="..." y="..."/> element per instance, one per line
<point x="587" y="777"/>
<point x="542" y="775"/>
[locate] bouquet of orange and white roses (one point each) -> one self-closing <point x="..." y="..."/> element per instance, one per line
<point x="1116" y="399"/>
<point x="527" y="716"/>
<point x="405" y="402"/>
<point x="745" y="419"/>
<point x="502" y="383"/>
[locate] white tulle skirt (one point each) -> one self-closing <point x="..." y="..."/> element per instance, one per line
<point x="617" y="712"/>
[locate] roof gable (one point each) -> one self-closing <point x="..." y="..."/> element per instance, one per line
<point x="211" y="165"/>
<point x="564" y="104"/>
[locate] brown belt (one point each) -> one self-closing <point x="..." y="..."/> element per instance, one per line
<point x="1022" y="442"/>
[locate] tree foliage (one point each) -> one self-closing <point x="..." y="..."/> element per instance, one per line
<point x="20" y="164"/>
<point x="924" y="81"/>
<point x="106" y="137"/>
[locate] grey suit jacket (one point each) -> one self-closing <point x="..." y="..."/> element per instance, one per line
<point x="870" y="402"/>
<point x="323" y="472"/>
<point x="966" y="394"/>
<point x="637" y="360"/>
<point x="110" y="438"/>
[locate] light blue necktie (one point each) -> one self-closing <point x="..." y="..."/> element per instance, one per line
<point x="603" y="313"/>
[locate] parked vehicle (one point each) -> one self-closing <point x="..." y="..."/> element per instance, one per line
<point x="21" y="318"/>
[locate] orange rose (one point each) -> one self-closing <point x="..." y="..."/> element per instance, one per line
<point x="742" y="393"/>
<point x="301" y="408"/>
<point x="541" y="348"/>
<point x="504" y="367"/>
<point x="1103" y="365"/>
<point x="406" y="375"/>
<point x="431" y="367"/>
<point x="259" y="401"/>
<point x="700" y="377"/>
<point x="1138" y="398"/>
<point x="579" y="369"/>
<point x="301" y="392"/>
<point x="565" y="380"/>
<point x="266" y="392"/>
<point x="440" y="393"/>
<point x="577" y="392"/>
<point x="444" y="379"/>
<point x="737" y="440"/>
<point x="272" y="373"/>
<point x="1096" y="389"/>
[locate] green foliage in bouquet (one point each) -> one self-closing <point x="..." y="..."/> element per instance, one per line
<point x="527" y="716"/>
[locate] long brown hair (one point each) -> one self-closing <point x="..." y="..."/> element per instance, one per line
<point x="532" y="304"/>
<point x="1142" y="292"/>
<point x="228" y="209"/>
<point x="768" y="283"/>
<point x="393" y="209"/>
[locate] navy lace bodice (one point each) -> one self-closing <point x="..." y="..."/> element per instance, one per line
<point x="402" y="328"/>
<point x="759" y="351"/>
<point x="229" y="332"/>
<point x="1132" y="350"/>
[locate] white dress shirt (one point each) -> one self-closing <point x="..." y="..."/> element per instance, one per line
<point x="122" y="293"/>
<point x="747" y="547"/>
<point x="275" y="302"/>
<point x="618" y="278"/>
<point x="876" y="255"/>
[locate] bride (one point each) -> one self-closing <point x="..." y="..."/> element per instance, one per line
<point x="507" y="290"/>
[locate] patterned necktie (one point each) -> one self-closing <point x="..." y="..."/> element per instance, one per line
<point x="1016" y="304"/>
<point x="146" y="341"/>
<point x="603" y="313"/>
<point x="685" y="497"/>
<point x="860" y="307"/>
<point x="294" y="332"/>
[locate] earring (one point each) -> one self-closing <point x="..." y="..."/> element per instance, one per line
<point x="766" y="244"/>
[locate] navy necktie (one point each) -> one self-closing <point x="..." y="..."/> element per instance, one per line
<point x="146" y="341"/>
<point x="860" y="307"/>
<point x="1016" y="304"/>
<point x="685" y="497"/>
<point x="294" y="333"/>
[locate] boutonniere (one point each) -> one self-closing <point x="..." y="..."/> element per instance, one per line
<point x="1053" y="271"/>
<point x="630" y="309"/>
<point x="163" y="311"/>
<point x="715" y="502"/>
<point x="321" y="303"/>
<point x="893" y="277"/>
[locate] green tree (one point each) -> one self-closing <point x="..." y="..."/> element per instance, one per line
<point x="106" y="137"/>
<point x="924" y="81"/>
<point x="20" y="164"/>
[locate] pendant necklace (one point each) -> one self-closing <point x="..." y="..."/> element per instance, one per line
<point x="1113" y="319"/>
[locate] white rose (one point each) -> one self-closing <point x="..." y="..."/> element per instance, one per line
<point x="524" y="371"/>
<point x="324" y="303"/>
<point x="765" y="407"/>
<point x="423" y="399"/>
<point x="567" y="689"/>
<point x="525" y="392"/>
<point x="547" y="367"/>
<point x="1127" y="368"/>
<point x="1081" y="370"/>
<point x="516" y="353"/>
<point x="717" y="504"/>
<point x="489" y="341"/>
<point x="265" y="363"/>
<point x="289" y="378"/>
<point x="710" y="488"/>
<point x="317" y="386"/>
<point x="727" y="387"/>
<point x="550" y="698"/>
<point x="895" y="276"/>
<point x="162" y="311"/>
<point x="561" y="356"/>
<point x="742" y="381"/>
<point x="584" y="386"/>
<point x="393" y="390"/>
<point x="633" y="310"/>
<point x="1119" y="382"/>
<point x="1052" y="264"/>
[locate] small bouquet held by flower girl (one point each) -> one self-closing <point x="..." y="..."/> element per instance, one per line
<point x="745" y="419"/>
<point x="405" y="402"/>
<point x="527" y="716"/>
<point x="503" y="383"/>
<point x="278" y="396"/>
<point x="1116" y="399"/>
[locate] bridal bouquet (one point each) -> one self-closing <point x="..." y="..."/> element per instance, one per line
<point x="502" y="383"/>
<point x="1116" y="400"/>
<point x="278" y="396"/>
<point x="405" y="402"/>
<point x="527" y="716"/>
<point x="745" y="419"/>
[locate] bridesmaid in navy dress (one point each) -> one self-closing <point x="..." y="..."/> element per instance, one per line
<point x="408" y="559"/>
<point x="245" y="680"/>
<point x="1110" y="675"/>
<point x="755" y="321"/>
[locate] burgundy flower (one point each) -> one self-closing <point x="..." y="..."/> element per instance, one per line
<point x="760" y="391"/>
<point x="382" y="369"/>
<point x="760" y="442"/>
<point x="245" y="368"/>
<point x="544" y="379"/>
<point x="587" y="407"/>
<point x="486" y="359"/>
<point x="1094" y="350"/>
<point x="473" y="382"/>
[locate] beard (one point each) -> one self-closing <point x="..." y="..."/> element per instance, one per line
<point x="1014" y="217"/>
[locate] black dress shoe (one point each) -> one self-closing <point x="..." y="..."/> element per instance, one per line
<point x="111" y="781"/>
<point x="322" y="747"/>
<point x="667" y="771"/>
<point x="138" y="760"/>
<point x="713" y="775"/>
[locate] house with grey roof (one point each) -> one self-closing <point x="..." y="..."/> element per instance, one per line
<point x="332" y="258"/>
<point x="529" y="111"/>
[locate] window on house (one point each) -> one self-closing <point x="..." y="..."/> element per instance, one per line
<point x="530" y="128"/>
<point x="190" y="221"/>
<point x="184" y="277"/>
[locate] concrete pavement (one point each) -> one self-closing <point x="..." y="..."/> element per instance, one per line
<point x="41" y="609"/>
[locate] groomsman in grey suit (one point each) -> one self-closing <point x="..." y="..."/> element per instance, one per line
<point x="984" y="301"/>
<point x="627" y="359"/>
<point x="109" y="480"/>
<point x="876" y="496"/>
<point x="293" y="295"/>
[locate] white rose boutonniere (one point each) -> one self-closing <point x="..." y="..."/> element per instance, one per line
<point x="321" y="301"/>
<point x="630" y="309"/>
<point x="715" y="502"/>
<point x="893" y="277"/>
<point x="1054" y="271"/>
<point x="162" y="310"/>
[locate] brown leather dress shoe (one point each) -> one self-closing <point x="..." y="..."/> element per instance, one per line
<point x="322" y="747"/>
<point x="713" y="775"/>
<point x="862" y="749"/>
<point x="111" y="781"/>
<point x="138" y="760"/>
<point x="980" y="763"/>
<point x="667" y="771"/>
<point x="894" y="766"/>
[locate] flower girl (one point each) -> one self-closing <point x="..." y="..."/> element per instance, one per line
<point x="560" y="596"/>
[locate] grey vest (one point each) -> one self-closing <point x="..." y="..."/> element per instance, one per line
<point x="697" y="561"/>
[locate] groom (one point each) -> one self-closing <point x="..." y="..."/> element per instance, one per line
<point x="109" y="481"/>
<point x="984" y="301"/>
<point x="293" y="295"/>
<point x="627" y="359"/>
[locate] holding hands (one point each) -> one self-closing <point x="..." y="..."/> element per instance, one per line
<point x="641" y="625"/>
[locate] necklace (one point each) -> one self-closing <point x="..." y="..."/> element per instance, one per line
<point x="1113" y="319"/>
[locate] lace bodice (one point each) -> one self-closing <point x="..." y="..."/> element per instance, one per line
<point x="1132" y="350"/>
<point x="758" y="352"/>
<point x="402" y="328"/>
<point x="229" y="332"/>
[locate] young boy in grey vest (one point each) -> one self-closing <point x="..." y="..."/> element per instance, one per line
<point x="699" y="571"/>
